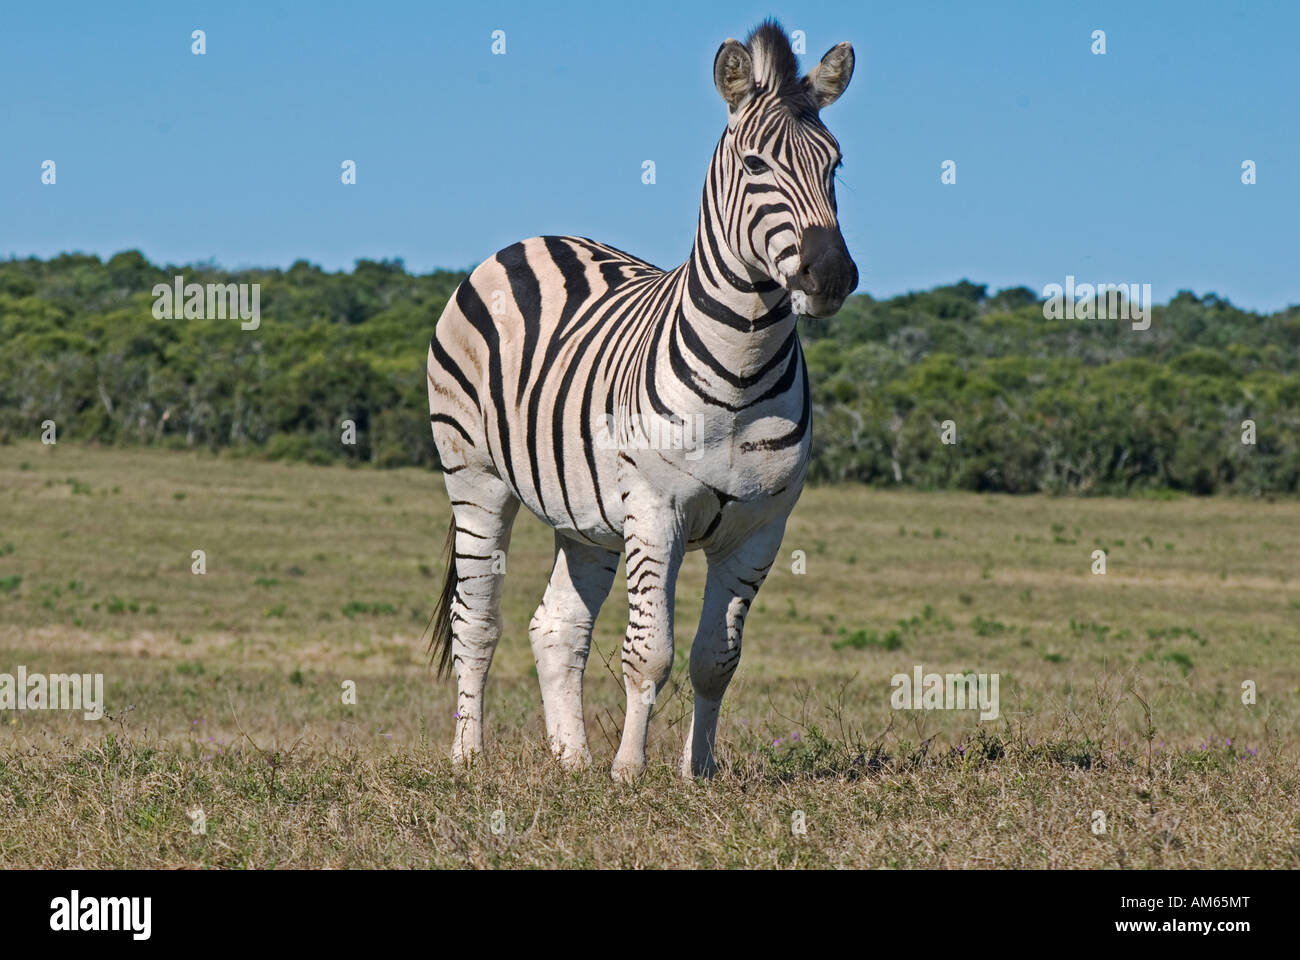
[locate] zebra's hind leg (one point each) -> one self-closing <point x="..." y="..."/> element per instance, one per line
<point x="560" y="634"/>
<point x="733" y="581"/>
<point x="483" y="511"/>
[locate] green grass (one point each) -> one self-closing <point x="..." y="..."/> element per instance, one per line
<point x="226" y="691"/>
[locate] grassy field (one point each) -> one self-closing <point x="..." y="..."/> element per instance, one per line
<point x="1120" y="693"/>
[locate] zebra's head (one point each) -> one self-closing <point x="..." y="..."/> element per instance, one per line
<point x="776" y="184"/>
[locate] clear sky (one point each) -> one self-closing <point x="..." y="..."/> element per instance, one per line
<point x="1117" y="168"/>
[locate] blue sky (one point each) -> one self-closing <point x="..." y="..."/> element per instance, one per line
<point x="1117" y="168"/>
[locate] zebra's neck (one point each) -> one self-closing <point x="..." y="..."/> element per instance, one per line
<point x="730" y="312"/>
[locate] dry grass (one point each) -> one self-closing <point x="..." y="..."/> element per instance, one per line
<point x="225" y="688"/>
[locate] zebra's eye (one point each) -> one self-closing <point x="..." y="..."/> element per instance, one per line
<point x="755" y="165"/>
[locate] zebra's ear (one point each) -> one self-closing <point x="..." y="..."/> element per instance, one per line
<point x="733" y="73"/>
<point x="829" y="78"/>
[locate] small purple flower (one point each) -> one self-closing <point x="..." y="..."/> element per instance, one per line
<point x="1229" y="741"/>
<point x="776" y="743"/>
<point x="456" y="715"/>
<point x="795" y="737"/>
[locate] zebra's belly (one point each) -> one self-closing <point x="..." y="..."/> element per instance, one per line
<point x="722" y="490"/>
<point x="569" y="497"/>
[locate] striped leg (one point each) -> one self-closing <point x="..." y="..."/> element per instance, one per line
<point x="654" y="544"/>
<point x="733" y="581"/>
<point x="484" y="510"/>
<point x="560" y="634"/>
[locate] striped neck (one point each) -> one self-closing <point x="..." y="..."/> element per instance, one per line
<point x="730" y="312"/>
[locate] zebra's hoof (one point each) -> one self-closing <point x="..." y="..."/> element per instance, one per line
<point x="465" y="752"/>
<point x="627" y="771"/>
<point x="464" y="761"/>
<point x="703" y="770"/>
<point x="573" y="761"/>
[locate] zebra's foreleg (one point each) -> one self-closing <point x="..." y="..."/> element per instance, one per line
<point x="484" y="511"/>
<point x="654" y="542"/>
<point x="560" y="634"/>
<point x="733" y="581"/>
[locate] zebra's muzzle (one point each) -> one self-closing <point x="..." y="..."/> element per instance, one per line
<point x="826" y="274"/>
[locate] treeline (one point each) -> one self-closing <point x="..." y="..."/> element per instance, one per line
<point x="81" y="346"/>
<point x="1056" y="405"/>
<point x="1033" y="403"/>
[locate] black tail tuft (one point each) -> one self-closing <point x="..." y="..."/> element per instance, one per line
<point x="440" y="639"/>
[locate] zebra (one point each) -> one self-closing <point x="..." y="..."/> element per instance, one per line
<point x="550" y="359"/>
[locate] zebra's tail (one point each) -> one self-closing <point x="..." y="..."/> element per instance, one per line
<point x="440" y="639"/>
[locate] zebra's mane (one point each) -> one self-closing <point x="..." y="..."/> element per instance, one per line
<point x="776" y="69"/>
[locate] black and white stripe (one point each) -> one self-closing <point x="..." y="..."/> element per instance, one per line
<point x="554" y="339"/>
